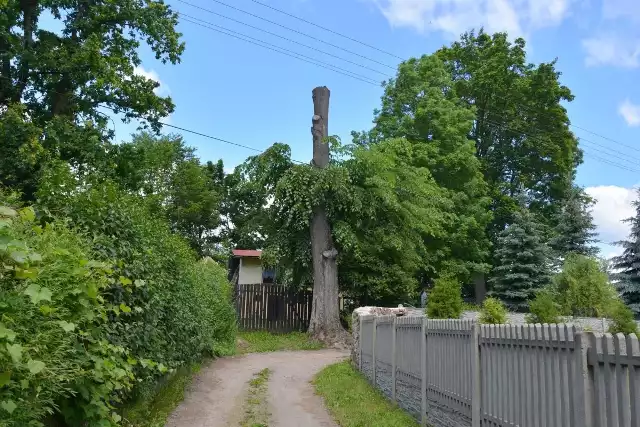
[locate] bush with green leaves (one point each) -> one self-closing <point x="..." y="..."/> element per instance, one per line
<point x="583" y="288"/>
<point x="445" y="299"/>
<point x="54" y="351"/>
<point x="493" y="312"/>
<point x="622" y="319"/>
<point x="544" y="308"/>
<point x="178" y="309"/>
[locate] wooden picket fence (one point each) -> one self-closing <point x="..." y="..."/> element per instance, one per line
<point x="456" y="372"/>
<point x="274" y="308"/>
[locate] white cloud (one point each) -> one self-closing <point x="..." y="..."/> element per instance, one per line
<point x="454" y="17"/>
<point x="162" y="89"/>
<point x="630" y="112"/>
<point x="613" y="204"/>
<point x="612" y="50"/>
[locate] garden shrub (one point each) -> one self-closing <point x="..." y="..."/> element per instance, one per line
<point x="544" y="308"/>
<point x="164" y="309"/>
<point x="445" y="299"/>
<point x="583" y="288"/>
<point x="53" y="313"/>
<point x="493" y="312"/>
<point x="622" y="319"/>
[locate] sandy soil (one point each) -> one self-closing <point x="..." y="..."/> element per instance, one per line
<point x="217" y="396"/>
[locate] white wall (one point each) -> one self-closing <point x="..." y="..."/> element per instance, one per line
<point x="250" y="271"/>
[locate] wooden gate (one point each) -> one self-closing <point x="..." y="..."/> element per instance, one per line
<point x="275" y="308"/>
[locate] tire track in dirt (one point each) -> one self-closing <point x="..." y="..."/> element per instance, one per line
<point x="218" y="393"/>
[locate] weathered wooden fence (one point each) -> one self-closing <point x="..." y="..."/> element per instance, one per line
<point x="459" y="373"/>
<point x="274" y="308"/>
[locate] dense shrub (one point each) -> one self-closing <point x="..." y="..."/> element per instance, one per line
<point x="52" y="328"/>
<point x="583" y="288"/>
<point x="493" y="312"/>
<point x="622" y="319"/>
<point x="544" y="308"/>
<point x="445" y="300"/>
<point x="177" y="308"/>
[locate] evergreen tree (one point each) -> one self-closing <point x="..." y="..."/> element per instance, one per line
<point x="574" y="230"/>
<point x="521" y="262"/>
<point x="629" y="263"/>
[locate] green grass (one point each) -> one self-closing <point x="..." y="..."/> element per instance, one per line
<point x="155" y="411"/>
<point x="256" y="413"/>
<point x="261" y="342"/>
<point x="353" y="402"/>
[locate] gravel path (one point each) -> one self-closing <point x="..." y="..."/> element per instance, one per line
<point x="218" y="393"/>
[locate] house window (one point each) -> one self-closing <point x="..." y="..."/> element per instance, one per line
<point x="268" y="275"/>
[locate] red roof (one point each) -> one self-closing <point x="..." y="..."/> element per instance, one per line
<point x="246" y="253"/>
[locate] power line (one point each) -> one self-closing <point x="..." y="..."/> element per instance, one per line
<point x="302" y="34"/>
<point x="604" y="137"/>
<point x="375" y="48"/>
<point x="275" y="35"/>
<point x="634" y="162"/>
<point x="284" y="51"/>
<point x="618" y="165"/>
<point x="610" y="162"/>
<point x="327" y="29"/>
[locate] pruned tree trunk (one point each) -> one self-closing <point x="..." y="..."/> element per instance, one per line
<point x="325" y="313"/>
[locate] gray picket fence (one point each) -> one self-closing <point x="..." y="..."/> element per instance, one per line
<point x="458" y="373"/>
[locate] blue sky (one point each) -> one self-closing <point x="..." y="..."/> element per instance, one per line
<point x="251" y="95"/>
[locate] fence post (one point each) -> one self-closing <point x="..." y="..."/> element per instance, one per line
<point x="393" y="358"/>
<point x="476" y="376"/>
<point x="360" y="322"/>
<point x="581" y="388"/>
<point x="373" y="351"/>
<point x="423" y="360"/>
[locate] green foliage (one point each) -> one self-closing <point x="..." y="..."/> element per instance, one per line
<point x="584" y="289"/>
<point x="53" y="325"/>
<point x="353" y="402"/>
<point x="420" y="106"/>
<point x="174" y="183"/>
<point x="521" y="131"/>
<point x="544" y="308"/>
<point x="493" y="312"/>
<point x="623" y="321"/>
<point x="401" y="208"/>
<point x="53" y="81"/>
<point x="574" y="231"/>
<point x="445" y="299"/>
<point x="522" y="265"/>
<point x="154" y="412"/>
<point x="629" y="263"/>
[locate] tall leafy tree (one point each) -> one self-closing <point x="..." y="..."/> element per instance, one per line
<point x="628" y="264"/>
<point x="420" y="105"/>
<point x="167" y="173"/>
<point x="522" y="261"/>
<point x="521" y="129"/>
<point x="574" y="231"/>
<point x="52" y="82"/>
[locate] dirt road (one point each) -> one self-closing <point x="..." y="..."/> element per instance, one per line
<point x="218" y="395"/>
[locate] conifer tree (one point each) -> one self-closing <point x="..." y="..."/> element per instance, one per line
<point x="574" y="230"/>
<point x="628" y="264"/>
<point x="522" y="263"/>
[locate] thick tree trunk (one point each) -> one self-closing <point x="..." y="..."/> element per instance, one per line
<point x="29" y="13"/>
<point x="325" y="314"/>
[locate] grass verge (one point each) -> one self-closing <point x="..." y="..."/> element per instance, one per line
<point x="256" y="412"/>
<point x="260" y="342"/>
<point x="155" y="411"/>
<point x="353" y="402"/>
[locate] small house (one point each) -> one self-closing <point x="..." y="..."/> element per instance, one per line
<point x="246" y="268"/>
